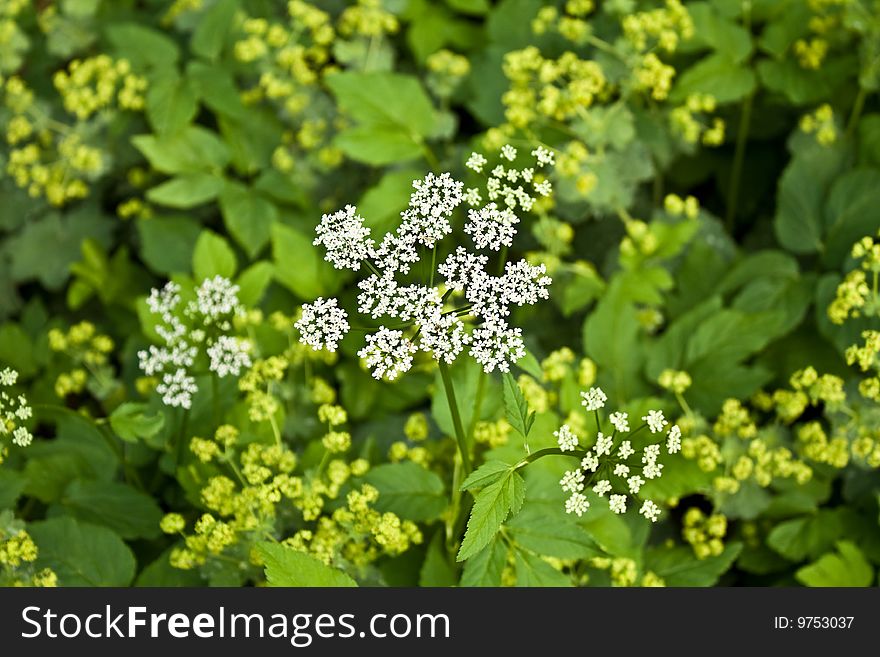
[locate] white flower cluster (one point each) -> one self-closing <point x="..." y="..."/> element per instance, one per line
<point x="426" y="318"/>
<point x="201" y="326"/>
<point x="514" y="187"/>
<point x="614" y="467"/>
<point x="14" y="409"/>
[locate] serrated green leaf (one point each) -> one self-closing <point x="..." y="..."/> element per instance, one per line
<point x="286" y="566"/>
<point x="486" y="566"/>
<point x="128" y="512"/>
<point x="491" y="507"/>
<point x="846" y="567"/>
<point x="531" y="570"/>
<point x="488" y="473"/>
<point x="186" y="191"/>
<point x="515" y="406"/>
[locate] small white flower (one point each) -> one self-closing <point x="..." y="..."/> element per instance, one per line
<point x="473" y="197"/>
<point x="651" y="454"/>
<point x="673" y="440"/>
<point x="650" y="510"/>
<point x="603" y="444"/>
<point x="491" y="228"/>
<point x="543" y="155"/>
<point x="655" y="421"/>
<point x="617" y="503"/>
<point x="388" y="353"/>
<point x="216" y="298"/>
<point x="462" y="268"/>
<point x="635" y="484"/>
<point x="626" y="450"/>
<point x="22" y="437"/>
<point x="593" y="399"/>
<point x="590" y="462"/>
<point x="8" y="377"/>
<point x="508" y="152"/>
<point x="229" y="355"/>
<point x="653" y="470"/>
<point x="577" y="503"/>
<point x="544" y="188"/>
<point x="323" y="324"/>
<point x="572" y="481"/>
<point x="619" y="420"/>
<point x="177" y="388"/>
<point x="444" y="337"/>
<point x="345" y="238"/>
<point x="602" y="486"/>
<point x="621" y="470"/>
<point x="566" y="438"/>
<point x="476" y="161"/>
<point x="523" y="284"/>
<point x="496" y="345"/>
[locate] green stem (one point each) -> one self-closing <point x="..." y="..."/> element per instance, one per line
<point x="433" y="264"/>
<point x="478" y="406"/>
<point x="215" y="399"/>
<point x="181" y="437"/>
<point x="856" y="113"/>
<point x="460" y="436"/>
<point x="739" y="155"/>
<point x="549" y="451"/>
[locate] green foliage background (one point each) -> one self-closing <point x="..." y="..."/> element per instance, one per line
<point x="226" y="164"/>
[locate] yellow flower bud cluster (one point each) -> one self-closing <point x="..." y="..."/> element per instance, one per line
<point x="181" y="7"/>
<point x="492" y="434"/>
<point x="402" y="451"/>
<point x="662" y="28"/>
<point x="258" y="383"/>
<point x="691" y="121"/>
<point x="416" y="427"/>
<point x="705" y="534"/>
<point x="558" y="89"/>
<point x="367" y="18"/>
<point x="816" y="445"/>
<point x="653" y="76"/>
<point x="859" y="293"/>
<point x="538" y="399"/>
<point x="675" y="381"/>
<point x="91" y="85"/>
<point x="810" y="53"/>
<point x="18" y="552"/>
<point x="558" y="364"/>
<point x="822" y="124"/>
<point x="703" y="450"/>
<point x="623" y="571"/>
<point x="88" y="352"/>
<point x="570" y="25"/>
<point x="735" y="420"/>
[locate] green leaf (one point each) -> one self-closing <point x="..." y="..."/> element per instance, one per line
<point x="213" y="257"/>
<point x="389" y="100"/>
<point x="532" y="570"/>
<point x="143" y="46"/>
<point x="846" y="567"/>
<point x="286" y="566"/>
<point x="213" y="29"/>
<point x="171" y="103"/>
<point x="381" y="205"/>
<point x="799" y="219"/>
<point x="82" y="554"/>
<point x="248" y="216"/>
<point x="253" y="281"/>
<point x="12" y="485"/>
<point x="408" y="490"/>
<point x="712" y="30"/>
<point x="808" y="536"/>
<point x="853" y="211"/>
<point x="485" y="567"/>
<point x="491" y="507"/>
<point x="186" y="191"/>
<point x="131" y="421"/>
<point x="488" y="473"/>
<point x="167" y="243"/>
<point x="378" y="145"/>
<point x="160" y="573"/>
<point x="515" y="406"/>
<point x="680" y="567"/>
<point x="541" y="529"/>
<point x="436" y="569"/>
<point x="119" y="507"/>
<point x="719" y="75"/>
<point x="299" y="266"/>
<point x="190" y="150"/>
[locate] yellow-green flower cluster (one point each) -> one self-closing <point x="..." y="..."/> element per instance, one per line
<point x="259" y="383"/>
<point x="822" y="124"/>
<point x="367" y="18"/>
<point x="705" y="534"/>
<point x="691" y="121"/>
<point x="18" y="552"/>
<point x="88" y="352"/>
<point x="493" y="434"/>
<point x="91" y="85"/>
<point x="13" y="41"/>
<point x="557" y="89"/>
<point x="663" y="28"/>
<point x="446" y="70"/>
<point x="675" y="381"/>
<point x="570" y="25"/>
